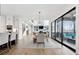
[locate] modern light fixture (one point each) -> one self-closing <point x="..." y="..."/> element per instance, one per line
<point x="39" y="20"/>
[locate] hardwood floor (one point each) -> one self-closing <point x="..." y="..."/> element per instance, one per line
<point x="39" y="51"/>
<point x="22" y="49"/>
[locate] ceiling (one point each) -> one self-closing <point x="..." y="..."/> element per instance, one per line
<point x="47" y="11"/>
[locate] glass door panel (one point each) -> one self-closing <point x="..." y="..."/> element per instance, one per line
<point x="69" y="29"/>
<point x="58" y="29"/>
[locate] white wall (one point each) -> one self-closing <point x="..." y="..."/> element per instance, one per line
<point x="77" y="29"/>
<point x="16" y="23"/>
<point x="0" y="9"/>
<point x="9" y="20"/>
<point x="2" y="24"/>
<point x="20" y="28"/>
<point x="50" y="29"/>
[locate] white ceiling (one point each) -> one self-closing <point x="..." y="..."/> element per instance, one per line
<point x="48" y="11"/>
<point x="31" y="10"/>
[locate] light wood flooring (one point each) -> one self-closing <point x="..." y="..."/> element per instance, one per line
<point x="22" y="48"/>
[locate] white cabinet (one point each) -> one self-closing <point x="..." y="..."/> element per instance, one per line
<point x="3" y="38"/>
<point x="13" y="36"/>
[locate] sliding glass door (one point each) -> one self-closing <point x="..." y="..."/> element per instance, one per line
<point x="69" y="29"/>
<point x="63" y="29"/>
<point x="58" y="29"/>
